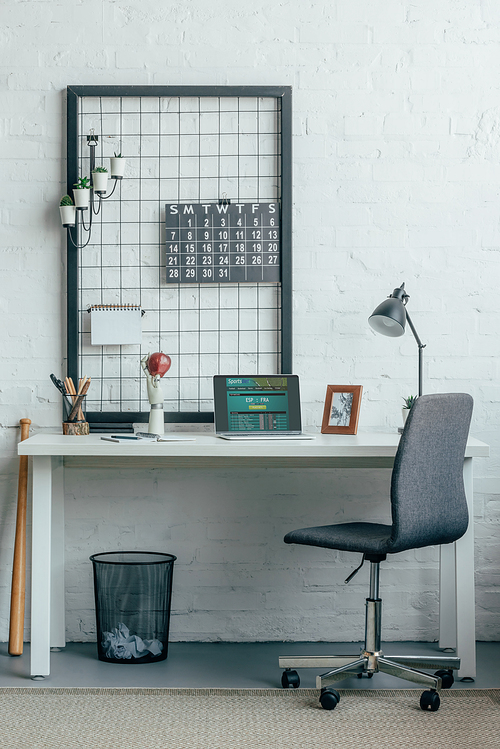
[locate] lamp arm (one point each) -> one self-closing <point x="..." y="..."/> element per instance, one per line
<point x="412" y="328"/>
<point x="421" y="347"/>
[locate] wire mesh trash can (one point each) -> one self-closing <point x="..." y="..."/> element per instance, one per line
<point x="133" y="591"/>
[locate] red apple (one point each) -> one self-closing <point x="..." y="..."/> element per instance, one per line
<point x="158" y="364"/>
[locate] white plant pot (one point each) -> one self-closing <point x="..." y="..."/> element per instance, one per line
<point x="68" y="215"/>
<point x="100" y="181"/>
<point x="405" y="411"/>
<point x="81" y="198"/>
<point x="117" y="167"/>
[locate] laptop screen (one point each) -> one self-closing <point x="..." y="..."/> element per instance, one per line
<point x="257" y="403"/>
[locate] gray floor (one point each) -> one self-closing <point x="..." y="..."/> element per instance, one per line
<point x="233" y="665"/>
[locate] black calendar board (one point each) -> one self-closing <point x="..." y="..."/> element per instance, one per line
<point x="223" y="242"/>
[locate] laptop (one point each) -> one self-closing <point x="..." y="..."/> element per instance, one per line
<point x="259" y="407"/>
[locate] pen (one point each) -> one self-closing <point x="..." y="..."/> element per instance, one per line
<point x="120" y="438"/>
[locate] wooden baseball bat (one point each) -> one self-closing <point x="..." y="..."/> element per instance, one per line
<point x="16" y="629"/>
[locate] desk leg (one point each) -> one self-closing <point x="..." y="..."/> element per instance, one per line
<point x="57" y="606"/>
<point x="466" y="624"/>
<point x="40" y="565"/>
<point x="447" y="597"/>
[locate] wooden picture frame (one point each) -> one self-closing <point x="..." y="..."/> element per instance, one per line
<point x="341" y="413"/>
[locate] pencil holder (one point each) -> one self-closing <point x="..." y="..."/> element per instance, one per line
<point x="74" y="420"/>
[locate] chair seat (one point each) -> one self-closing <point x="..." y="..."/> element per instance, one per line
<point x="365" y="538"/>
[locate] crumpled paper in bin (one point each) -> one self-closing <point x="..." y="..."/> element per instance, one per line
<point x="119" y="643"/>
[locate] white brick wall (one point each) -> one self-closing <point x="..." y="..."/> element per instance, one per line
<point x="396" y="178"/>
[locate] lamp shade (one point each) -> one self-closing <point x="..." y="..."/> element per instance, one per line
<point x="389" y="318"/>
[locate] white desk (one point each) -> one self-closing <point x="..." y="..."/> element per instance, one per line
<point x="52" y="451"/>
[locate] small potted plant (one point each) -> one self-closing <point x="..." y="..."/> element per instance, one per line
<point x="117" y="166"/>
<point x="100" y="179"/>
<point x="68" y="211"/>
<point x="408" y="404"/>
<point x="81" y="193"/>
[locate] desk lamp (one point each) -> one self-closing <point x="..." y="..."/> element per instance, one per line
<point x="389" y="318"/>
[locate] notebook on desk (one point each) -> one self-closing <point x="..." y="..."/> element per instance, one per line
<point x="264" y="407"/>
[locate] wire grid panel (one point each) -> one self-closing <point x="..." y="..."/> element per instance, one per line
<point x="178" y="149"/>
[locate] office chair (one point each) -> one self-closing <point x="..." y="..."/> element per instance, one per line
<point x="428" y="507"/>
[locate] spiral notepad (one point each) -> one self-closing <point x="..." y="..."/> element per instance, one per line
<point x="115" y="324"/>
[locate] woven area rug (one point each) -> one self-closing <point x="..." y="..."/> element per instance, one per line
<point x="36" y="718"/>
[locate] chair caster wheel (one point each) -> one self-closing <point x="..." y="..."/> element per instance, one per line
<point x="290" y="679"/>
<point x="447" y="679"/>
<point x="429" y="700"/>
<point x="329" y="698"/>
<point x="363" y="673"/>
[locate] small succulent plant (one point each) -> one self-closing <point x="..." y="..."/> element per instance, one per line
<point x="409" y="401"/>
<point x="82" y="184"/>
<point x="118" y="155"/>
<point x="100" y="170"/>
<point x="66" y="200"/>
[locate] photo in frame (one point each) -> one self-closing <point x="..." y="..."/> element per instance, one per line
<point x="341" y="413"/>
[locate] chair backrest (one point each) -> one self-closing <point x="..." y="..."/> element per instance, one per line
<point x="427" y="488"/>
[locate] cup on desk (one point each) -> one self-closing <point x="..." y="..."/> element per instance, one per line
<point x="74" y="419"/>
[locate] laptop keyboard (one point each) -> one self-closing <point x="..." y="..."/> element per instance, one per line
<point x="265" y="435"/>
<point x="257" y="434"/>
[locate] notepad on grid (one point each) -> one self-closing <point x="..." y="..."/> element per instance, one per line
<point x="115" y="324"/>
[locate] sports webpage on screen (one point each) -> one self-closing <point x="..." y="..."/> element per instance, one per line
<point x="253" y="404"/>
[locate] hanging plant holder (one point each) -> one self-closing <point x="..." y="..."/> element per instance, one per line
<point x="117" y="167"/>
<point x="68" y="215"/>
<point x="100" y="181"/>
<point x="90" y="192"/>
<point x="81" y="193"/>
<point x="67" y="211"/>
<point x="82" y="197"/>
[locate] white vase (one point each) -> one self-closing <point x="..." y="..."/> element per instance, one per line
<point x="81" y="198"/>
<point x="405" y="411"/>
<point x="68" y="213"/>
<point x="117" y="167"/>
<point x="100" y="181"/>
